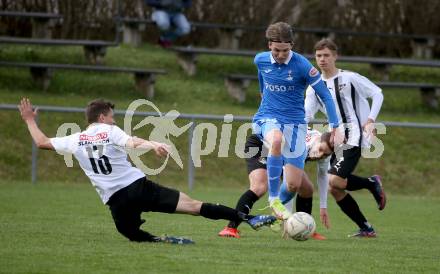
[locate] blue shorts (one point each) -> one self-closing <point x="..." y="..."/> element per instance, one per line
<point x="294" y="152"/>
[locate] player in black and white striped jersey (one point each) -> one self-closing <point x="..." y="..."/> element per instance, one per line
<point x="350" y="92"/>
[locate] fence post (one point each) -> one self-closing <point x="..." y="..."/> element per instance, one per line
<point x="118" y="22"/>
<point x="34" y="159"/>
<point x="190" y="158"/>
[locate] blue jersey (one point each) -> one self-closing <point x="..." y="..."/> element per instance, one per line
<point x="283" y="87"/>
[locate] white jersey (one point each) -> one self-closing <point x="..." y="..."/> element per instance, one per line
<point x="350" y="91"/>
<point x="321" y="169"/>
<point x="101" y="154"/>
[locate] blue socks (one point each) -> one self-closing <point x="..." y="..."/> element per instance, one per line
<point x="285" y="195"/>
<point x="274" y="169"/>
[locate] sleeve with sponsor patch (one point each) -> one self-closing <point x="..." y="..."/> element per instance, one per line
<point x="312" y="75"/>
<point x="118" y="136"/>
<point x="66" y="144"/>
<point x="313" y="78"/>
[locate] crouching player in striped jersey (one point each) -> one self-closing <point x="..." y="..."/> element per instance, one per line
<point x="350" y="92"/>
<point x="101" y="153"/>
<point x="318" y="149"/>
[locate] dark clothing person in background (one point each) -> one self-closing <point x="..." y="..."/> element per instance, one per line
<point x="168" y="16"/>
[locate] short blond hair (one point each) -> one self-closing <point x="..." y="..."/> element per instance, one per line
<point x="279" y="32"/>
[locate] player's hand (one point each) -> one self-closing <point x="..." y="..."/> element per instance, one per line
<point x="26" y="111"/>
<point x="369" y="128"/>
<point x="325" y="219"/>
<point x="337" y="137"/>
<point x="161" y="149"/>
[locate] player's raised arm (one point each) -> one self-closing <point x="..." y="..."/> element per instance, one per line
<point x="28" y="115"/>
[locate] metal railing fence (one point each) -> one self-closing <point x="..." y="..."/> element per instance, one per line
<point x="193" y="118"/>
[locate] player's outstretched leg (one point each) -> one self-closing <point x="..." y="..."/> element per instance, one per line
<point x="216" y="212"/>
<point x="136" y="234"/>
<point x="128" y="224"/>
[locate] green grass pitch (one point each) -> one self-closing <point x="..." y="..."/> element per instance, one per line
<point x="64" y="228"/>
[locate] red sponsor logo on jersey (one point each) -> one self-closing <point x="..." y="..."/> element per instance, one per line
<point x="97" y="137"/>
<point x="313" y="72"/>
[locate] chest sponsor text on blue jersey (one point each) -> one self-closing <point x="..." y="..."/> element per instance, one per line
<point x="278" y="88"/>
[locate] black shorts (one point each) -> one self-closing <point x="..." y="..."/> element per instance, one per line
<point x="259" y="159"/>
<point x="143" y="195"/>
<point x="345" y="165"/>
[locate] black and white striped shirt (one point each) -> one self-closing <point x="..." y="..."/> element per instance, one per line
<point x="350" y="91"/>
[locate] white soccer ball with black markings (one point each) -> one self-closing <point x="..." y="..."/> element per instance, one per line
<point x="300" y="226"/>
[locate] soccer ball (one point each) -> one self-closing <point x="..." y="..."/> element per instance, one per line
<point x="300" y="226"/>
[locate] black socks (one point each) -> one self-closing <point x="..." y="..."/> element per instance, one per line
<point x="216" y="212"/>
<point x="304" y="204"/>
<point x="244" y="205"/>
<point x="349" y="206"/>
<point x="355" y="183"/>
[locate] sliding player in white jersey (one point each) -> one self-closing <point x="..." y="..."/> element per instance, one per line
<point x="350" y="92"/>
<point x="318" y="148"/>
<point x="100" y="151"/>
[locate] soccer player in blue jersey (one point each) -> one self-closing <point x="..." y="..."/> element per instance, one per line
<point x="283" y="76"/>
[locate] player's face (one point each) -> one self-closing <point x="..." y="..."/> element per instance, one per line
<point x="108" y="119"/>
<point x="319" y="150"/>
<point x="325" y="58"/>
<point x="280" y="51"/>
